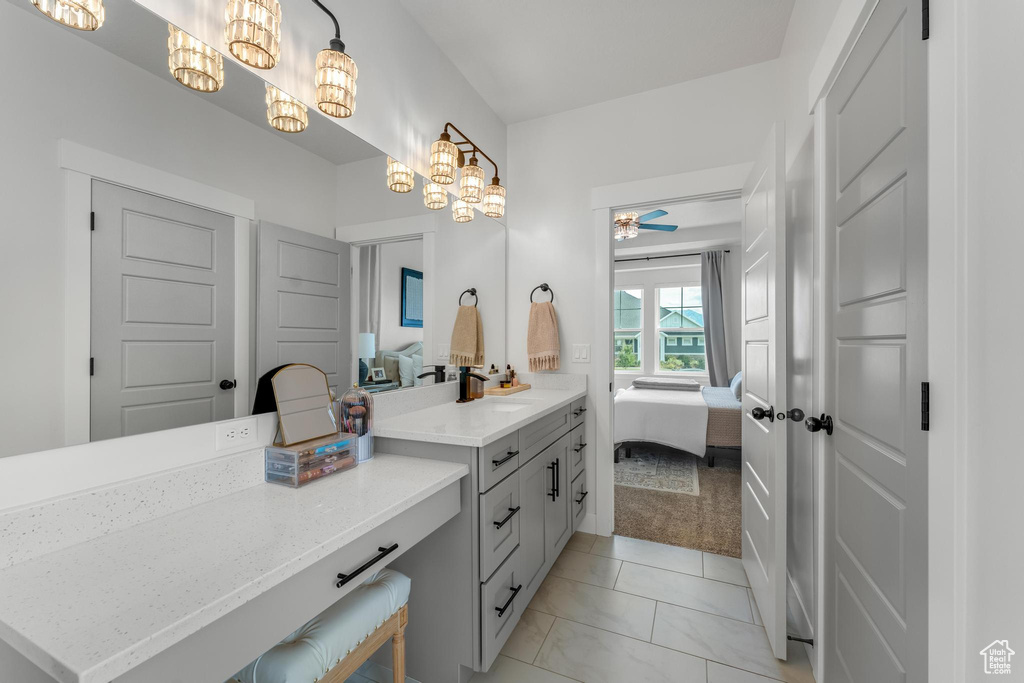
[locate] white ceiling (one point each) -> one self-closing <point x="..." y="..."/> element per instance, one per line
<point x="702" y="225"/>
<point x="531" y="58"/>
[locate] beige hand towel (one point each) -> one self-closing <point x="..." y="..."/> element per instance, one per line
<point x="542" y="345"/>
<point x="467" y="347"/>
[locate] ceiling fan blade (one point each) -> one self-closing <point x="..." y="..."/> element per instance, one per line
<point x="655" y="226"/>
<point x="657" y="213"/>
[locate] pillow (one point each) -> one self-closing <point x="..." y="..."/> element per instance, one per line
<point x="406" y="378"/>
<point x="417" y="370"/>
<point x="391" y="366"/>
<point x="737" y="385"/>
<point x="416" y="348"/>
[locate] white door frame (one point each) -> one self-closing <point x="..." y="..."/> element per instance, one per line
<point x="691" y="186"/>
<point x="948" y="349"/>
<point x="81" y="165"/>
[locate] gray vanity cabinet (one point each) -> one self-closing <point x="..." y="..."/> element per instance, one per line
<point x="557" y="523"/>
<point x="534" y="485"/>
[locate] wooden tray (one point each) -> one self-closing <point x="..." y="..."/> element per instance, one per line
<point x="498" y="391"/>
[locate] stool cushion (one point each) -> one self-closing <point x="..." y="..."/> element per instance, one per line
<point x="320" y="644"/>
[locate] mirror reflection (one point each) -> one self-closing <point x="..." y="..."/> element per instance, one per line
<point x="172" y="245"/>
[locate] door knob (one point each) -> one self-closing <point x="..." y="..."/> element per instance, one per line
<point x="816" y="424"/>
<point x="226" y="384"/>
<point x="795" y="414"/>
<point x="760" y="413"/>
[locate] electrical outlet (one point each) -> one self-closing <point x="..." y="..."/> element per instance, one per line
<point x="234" y="434"/>
<point x="443" y="351"/>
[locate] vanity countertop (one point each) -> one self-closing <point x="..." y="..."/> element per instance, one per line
<point x="478" y="422"/>
<point x="92" y="611"/>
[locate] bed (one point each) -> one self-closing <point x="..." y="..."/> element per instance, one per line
<point x="698" y="422"/>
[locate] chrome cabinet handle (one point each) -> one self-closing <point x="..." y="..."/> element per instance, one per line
<point x="504" y="608"/>
<point x="383" y="552"/>
<point x="511" y="513"/>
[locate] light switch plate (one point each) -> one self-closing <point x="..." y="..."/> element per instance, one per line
<point x="581" y="353"/>
<point x="443" y="351"/>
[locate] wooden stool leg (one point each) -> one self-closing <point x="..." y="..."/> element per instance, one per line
<point x="398" y="647"/>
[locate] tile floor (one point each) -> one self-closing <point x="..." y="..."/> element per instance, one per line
<point x="619" y="609"/>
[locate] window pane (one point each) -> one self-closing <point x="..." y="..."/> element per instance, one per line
<point x="629" y="309"/>
<point x="680" y="330"/>
<point x="691" y="297"/>
<point x="628" y="349"/>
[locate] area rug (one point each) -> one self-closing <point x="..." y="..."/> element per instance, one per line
<point x="658" y="470"/>
<point x="709" y="521"/>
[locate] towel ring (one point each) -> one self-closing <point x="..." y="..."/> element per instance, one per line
<point x="544" y="288"/>
<point x="472" y="292"/>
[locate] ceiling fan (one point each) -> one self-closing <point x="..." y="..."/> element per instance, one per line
<point x="629" y="224"/>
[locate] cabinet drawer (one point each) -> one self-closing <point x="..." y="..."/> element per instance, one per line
<point x="577" y="451"/>
<point x="500" y="608"/>
<point x="577" y="411"/>
<point x="535" y="437"/>
<point x="499" y="524"/>
<point x="579" y="499"/>
<point x="498" y="460"/>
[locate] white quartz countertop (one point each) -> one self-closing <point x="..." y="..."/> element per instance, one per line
<point x="478" y="422"/>
<point x="93" y="611"/>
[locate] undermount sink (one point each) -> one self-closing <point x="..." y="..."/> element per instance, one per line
<point x="505" y="407"/>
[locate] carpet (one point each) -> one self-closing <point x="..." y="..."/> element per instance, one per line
<point x="710" y="521"/>
<point x="659" y="470"/>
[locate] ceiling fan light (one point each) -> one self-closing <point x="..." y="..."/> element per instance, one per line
<point x="626" y="225"/>
<point x="471" y="187"/>
<point x="462" y="211"/>
<point x="435" y="197"/>
<point x="193" y="63"/>
<point x="252" y="31"/>
<point x="336" y="75"/>
<point x="284" y="112"/>
<point x="444" y="159"/>
<point x="494" y="200"/>
<point x="401" y="179"/>
<point x="84" y="15"/>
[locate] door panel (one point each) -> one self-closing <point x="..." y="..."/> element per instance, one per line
<point x="874" y="270"/>
<point x="557" y="519"/>
<point x="162" y="312"/>
<point x="304" y="300"/>
<point x="764" y="386"/>
<point x="534" y="480"/>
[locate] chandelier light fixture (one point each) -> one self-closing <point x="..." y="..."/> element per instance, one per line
<point x="193" y="63"/>
<point x="252" y="31"/>
<point x="447" y="156"/>
<point x="336" y="75"/>
<point x="627" y="225"/>
<point x="435" y="196"/>
<point x="401" y="179"/>
<point x="284" y="112"/>
<point x="462" y="211"/>
<point x="84" y="15"/>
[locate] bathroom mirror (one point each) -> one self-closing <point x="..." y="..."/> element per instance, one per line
<point x="167" y="247"/>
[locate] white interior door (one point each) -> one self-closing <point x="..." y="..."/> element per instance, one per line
<point x="874" y="275"/>
<point x="764" y="386"/>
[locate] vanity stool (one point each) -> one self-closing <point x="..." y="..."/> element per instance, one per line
<point x="330" y="647"/>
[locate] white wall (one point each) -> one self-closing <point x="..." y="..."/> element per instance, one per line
<point x="393" y="257"/>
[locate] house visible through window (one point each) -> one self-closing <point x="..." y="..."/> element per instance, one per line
<point x="629" y="323"/>
<point x="680" y="330"/>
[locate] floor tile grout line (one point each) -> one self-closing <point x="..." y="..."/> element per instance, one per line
<point x="693" y="609"/>
<point x="544" y="668"/>
<point x="646" y="642"/>
<point x="748" y="671"/>
<point x="673" y="571"/>
<point x="545" y="638"/>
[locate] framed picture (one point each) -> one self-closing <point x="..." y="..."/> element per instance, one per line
<point x="377" y="375"/>
<point x="412" y="298"/>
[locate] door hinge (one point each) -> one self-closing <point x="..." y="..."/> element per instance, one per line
<point x="925" y="23"/>
<point x="92" y="367"/>
<point x="925" y="405"/>
<point x="92" y="221"/>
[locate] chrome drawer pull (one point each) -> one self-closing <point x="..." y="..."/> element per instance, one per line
<point x="384" y="552"/>
<point x="582" y="498"/>
<point x="504" y="608"/>
<point x="499" y="463"/>
<point x="511" y="513"/>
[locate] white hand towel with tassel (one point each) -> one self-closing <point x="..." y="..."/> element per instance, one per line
<point x="542" y="346"/>
<point x="467" y="347"/>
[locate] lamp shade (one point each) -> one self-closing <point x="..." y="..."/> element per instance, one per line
<point x="193" y="63"/>
<point x="284" y="112"/>
<point x="336" y="75"/>
<point x="252" y="30"/>
<point x="444" y="159"/>
<point x="462" y="211"/>
<point x="367" y="344"/>
<point x="494" y="200"/>
<point x="401" y="179"/>
<point x="435" y="196"/>
<point x="471" y="187"/>
<point x="85" y="15"/>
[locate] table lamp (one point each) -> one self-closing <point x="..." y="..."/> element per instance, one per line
<point x="367" y="349"/>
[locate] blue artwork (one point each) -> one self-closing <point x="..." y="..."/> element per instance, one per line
<point x="412" y="298"/>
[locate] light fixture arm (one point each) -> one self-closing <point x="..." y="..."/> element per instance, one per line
<point x="466" y="141"/>
<point x="336" y="43"/>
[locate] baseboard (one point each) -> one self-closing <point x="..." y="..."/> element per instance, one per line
<point x="798" y="620"/>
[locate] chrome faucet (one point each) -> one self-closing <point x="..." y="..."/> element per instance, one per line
<point x="466" y="376"/>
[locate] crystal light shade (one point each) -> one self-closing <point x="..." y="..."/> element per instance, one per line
<point x="435" y="196"/>
<point x="462" y="211"/>
<point x="284" y="112"/>
<point x="253" y="31"/>
<point x="85" y="15"/>
<point x="471" y="187"/>
<point x="494" y="200"/>
<point x="444" y="158"/>
<point x="626" y="225"/>
<point x="401" y="179"/>
<point x="193" y="63"/>
<point x="336" y="75"/>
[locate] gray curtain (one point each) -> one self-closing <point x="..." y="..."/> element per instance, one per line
<point x="369" y="295"/>
<point x="714" y="317"/>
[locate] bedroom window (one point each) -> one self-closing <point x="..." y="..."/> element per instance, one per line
<point x="629" y="334"/>
<point x="680" y="330"/>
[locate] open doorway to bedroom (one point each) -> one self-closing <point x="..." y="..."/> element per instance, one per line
<point x="676" y="351"/>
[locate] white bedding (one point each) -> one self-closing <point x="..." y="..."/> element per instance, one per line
<point x="678" y="419"/>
